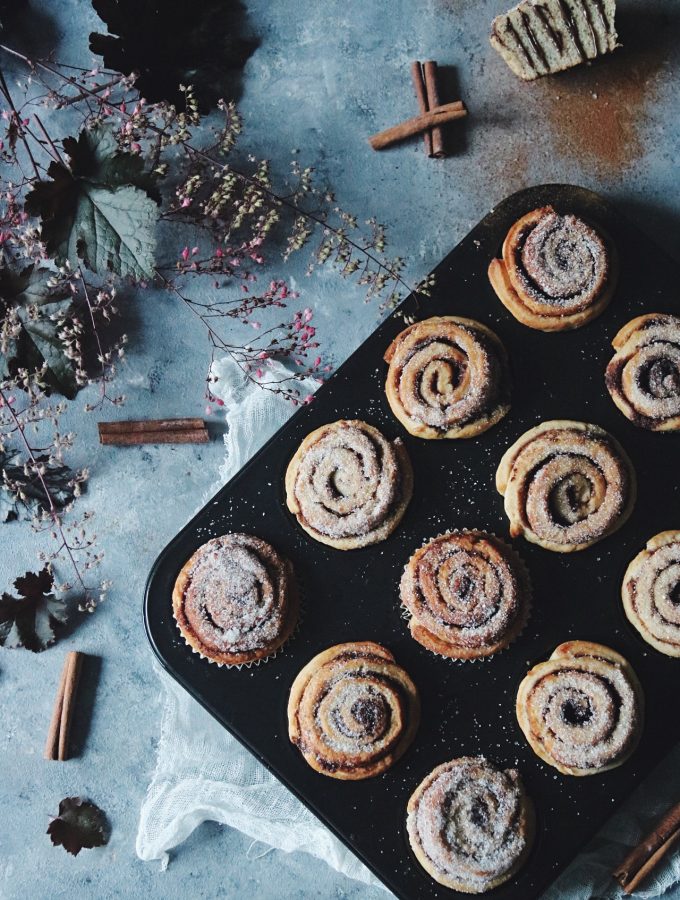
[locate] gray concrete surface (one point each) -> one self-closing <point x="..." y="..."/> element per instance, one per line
<point x="325" y="76"/>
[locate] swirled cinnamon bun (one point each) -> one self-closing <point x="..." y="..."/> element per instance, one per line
<point x="235" y="600"/>
<point x="643" y="376"/>
<point x="352" y="711"/>
<point x="470" y="824"/>
<point x="556" y="272"/>
<point x="651" y="592"/>
<point x="448" y="378"/>
<point x="467" y="594"/>
<point x="348" y="485"/>
<point x="566" y="485"/>
<point x="581" y="710"/>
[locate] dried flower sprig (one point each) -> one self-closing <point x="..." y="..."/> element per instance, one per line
<point x="147" y="154"/>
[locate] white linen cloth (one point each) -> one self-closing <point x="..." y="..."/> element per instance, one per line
<point x="202" y="773"/>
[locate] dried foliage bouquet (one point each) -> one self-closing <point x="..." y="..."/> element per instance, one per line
<point x="96" y="176"/>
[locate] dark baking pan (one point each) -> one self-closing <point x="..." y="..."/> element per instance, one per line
<point x="468" y="707"/>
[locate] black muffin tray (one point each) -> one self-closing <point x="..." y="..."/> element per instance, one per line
<point x="467" y="707"/>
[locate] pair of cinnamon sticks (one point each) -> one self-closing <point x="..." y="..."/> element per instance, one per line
<point x="432" y="114"/>
<point x="56" y="746"/>
<point x="644" y="858"/>
<point x="153" y="431"/>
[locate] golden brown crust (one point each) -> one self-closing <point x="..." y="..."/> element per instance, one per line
<point x="471" y="826"/>
<point x="448" y="378"/>
<point x="467" y="593"/>
<point x="347" y="485"/>
<point x="651" y="591"/>
<point x="567" y="485"/>
<point x="352" y="711"/>
<point x="582" y="710"/>
<point x="549" y="290"/>
<point x="213" y="600"/>
<point x="643" y="376"/>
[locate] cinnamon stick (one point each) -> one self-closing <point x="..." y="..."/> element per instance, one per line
<point x="126" y="426"/>
<point x="156" y="437"/>
<point x="430" y="75"/>
<point x="52" y="743"/>
<point x="153" y="431"/>
<point x="643" y="858"/>
<point x="56" y="746"/>
<point x="421" y="97"/>
<point x="440" y="116"/>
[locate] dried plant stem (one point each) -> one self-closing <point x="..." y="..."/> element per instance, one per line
<point x="20" y="128"/>
<point x="52" y="508"/>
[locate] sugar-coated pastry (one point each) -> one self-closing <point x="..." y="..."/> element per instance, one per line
<point x="651" y="592"/>
<point x="470" y="824"/>
<point x="353" y="711"/>
<point x="556" y="272"/>
<point x="448" y="378"/>
<point x="567" y="485"/>
<point x="235" y="600"/>
<point x="467" y="593"/>
<point x="581" y="710"/>
<point x="643" y="376"/>
<point x="348" y="485"/>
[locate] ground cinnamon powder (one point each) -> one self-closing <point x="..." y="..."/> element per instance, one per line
<point x="598" y="112"/>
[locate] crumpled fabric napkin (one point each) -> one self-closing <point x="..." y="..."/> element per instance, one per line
<point x="202" y="772"/>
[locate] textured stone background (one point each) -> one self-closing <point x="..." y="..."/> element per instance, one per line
<point x="324" y="77"/>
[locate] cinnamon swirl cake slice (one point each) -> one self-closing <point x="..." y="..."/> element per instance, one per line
<point x="540" y="37"/>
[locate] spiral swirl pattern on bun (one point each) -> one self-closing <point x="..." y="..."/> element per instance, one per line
<point x="581" y="710"/>
<point x="235" y="601"/>
<point x="566" y="485"/>
<point x="467" y="593"/>
<point x="651" y="592"/>
<point x="643" y="377"/>
<point x="470" y="824"/>
<point x="352" y="711"/>
<point x="448" y="378"/>
<point x="556" y="271"/>
<point x="348" y="485"/>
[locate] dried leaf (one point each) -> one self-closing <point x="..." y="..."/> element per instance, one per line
<point x="80" y="825"/>
<point x="101" y="209"/>
<point x="59" y="479"/>
<point x="168" y="45"/>
<point x="29" y="619"/>
<point x="39" y="308"/>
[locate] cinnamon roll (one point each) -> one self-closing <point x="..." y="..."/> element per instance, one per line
<point x="566" y="485"/>
<point x="651" y="592"/>
<point x="348" y="485"/>
<point x="448" y="378"/>
<point x="582" y="710"/>
<point x="643" y="376"/>
<point x="470" y="824"/>
<point x="556" y="272"/>
<point x="352" y="711"/>
<point x="467" y="594"/>
<point x="235" y="600"/>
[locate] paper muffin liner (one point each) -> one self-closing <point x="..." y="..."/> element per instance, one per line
<point x="265" y="659"/>
<point x="523" y="571"/>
